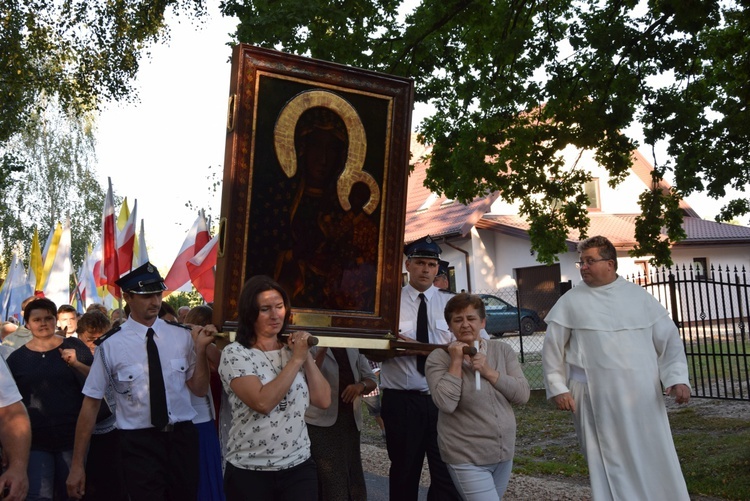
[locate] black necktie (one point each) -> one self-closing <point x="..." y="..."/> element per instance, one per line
<point x="158" y="395"/>
<point x="422" y="335"/>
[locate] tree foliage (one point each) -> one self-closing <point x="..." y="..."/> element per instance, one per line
<point x="515" y="83"/>
<point x="85" y="52"/>
<point x="59" y="182"/>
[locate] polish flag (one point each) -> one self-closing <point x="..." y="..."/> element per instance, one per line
<point x="178" y="276"/>
<point x="126" y="241"/>
<point x="201" y="270"/>
<point x="109" y="271"/>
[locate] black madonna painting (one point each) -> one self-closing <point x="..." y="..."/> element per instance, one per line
<point x="314" y="189"/>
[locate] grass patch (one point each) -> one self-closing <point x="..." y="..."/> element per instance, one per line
<point x="545" y="441"/>
<point x="714" y="451"/>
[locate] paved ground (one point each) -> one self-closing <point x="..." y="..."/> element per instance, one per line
<point x="377" y="488"/>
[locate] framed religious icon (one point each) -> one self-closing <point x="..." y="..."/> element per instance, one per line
<point x="314" y="192"/>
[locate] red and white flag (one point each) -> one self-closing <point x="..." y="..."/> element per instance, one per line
<point x="126" y="242"/>
<point x="109" y="271"/>
<point x="201" y="270"/>
<point x="196" y="239"/>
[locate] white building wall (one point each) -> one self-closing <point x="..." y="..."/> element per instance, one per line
<point x="724" y="255"/>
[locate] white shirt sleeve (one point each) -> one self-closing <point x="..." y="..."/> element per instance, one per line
<point x="8" y="390"/>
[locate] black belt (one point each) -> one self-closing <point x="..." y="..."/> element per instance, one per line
<point x="174" y="426"/>
<point x="424" y="393"/>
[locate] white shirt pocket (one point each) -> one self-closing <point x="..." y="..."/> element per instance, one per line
<point x="407" y="329"/>
<point x="130" y="373"/>
<point x="446" y="336"/>
<point x="179" y="368"/>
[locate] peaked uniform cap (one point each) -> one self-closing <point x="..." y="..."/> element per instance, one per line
<point x="424" y="247"/>
<point x="143" y="280"/>
<point x="443" y="267"/>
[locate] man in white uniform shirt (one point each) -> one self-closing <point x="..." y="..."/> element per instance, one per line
<point x="609" y="349"/>
<point x="161" y="462"/>
<point x="15" y="435"/>
<point x="407" y="409"/>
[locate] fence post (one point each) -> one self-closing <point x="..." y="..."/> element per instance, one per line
<point x="520" y="334"/>
<point x="673" y="299"/>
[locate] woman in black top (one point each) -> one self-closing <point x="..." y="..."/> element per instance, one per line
<point x="49" y="371"/>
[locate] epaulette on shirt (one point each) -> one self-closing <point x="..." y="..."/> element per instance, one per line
<point x="178" y="324"/>
<point x="446" y="291"/>
<point x="106" y="335"/>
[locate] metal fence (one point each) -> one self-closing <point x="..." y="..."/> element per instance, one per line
<point x="528" y="346"/>
<point x="710" y="310"/>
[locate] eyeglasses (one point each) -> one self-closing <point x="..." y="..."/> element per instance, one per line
<point x="589" y="262"/>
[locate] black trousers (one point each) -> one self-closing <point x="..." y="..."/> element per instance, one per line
<point x="299" y="483"/>
<point x="161" y="466"/>
<point x="411" y="432"/>
<point x="104" y="469"/>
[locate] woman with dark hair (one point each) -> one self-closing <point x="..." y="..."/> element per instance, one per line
<point x="50" y="371"/>
<point x="270" y="384"/>
<point x="476" y="425"/>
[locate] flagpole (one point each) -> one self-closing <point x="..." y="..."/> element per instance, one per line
<point x="77" y="291"/>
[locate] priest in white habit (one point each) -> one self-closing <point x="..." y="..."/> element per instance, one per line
<point x="610" y="348"/>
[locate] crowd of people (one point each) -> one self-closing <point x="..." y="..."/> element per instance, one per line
<point x="147" y="403"/>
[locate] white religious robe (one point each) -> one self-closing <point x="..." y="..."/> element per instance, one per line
<point x="627" y="347"/>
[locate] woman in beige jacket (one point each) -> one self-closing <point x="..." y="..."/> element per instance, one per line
<point x="476" y="425"/>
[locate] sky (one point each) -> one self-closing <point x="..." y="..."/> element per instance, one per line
<point x="163" y="149"/>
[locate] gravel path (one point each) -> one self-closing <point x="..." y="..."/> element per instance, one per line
<point x="375" y="461"/>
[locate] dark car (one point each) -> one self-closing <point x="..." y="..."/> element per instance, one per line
<point x="502" y="317"/>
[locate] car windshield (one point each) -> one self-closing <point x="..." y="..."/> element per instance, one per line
<point x="494" y="303"/>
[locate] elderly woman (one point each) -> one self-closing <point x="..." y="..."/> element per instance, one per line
<point x="270" y="384"/>
<point x="49" y="371"/>
<point x="476" y="426"/>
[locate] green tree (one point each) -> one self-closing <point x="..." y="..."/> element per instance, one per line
<point x="179" y="299"/>
<point x="86" y="52"/>
<point x="515" y="83"/>
<point x="59" y="181"/>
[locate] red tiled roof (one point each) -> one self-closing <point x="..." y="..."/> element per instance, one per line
<point x="620" y="229"/>
<point x="443" y="218"/>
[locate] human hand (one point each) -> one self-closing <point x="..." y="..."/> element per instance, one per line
<point x="565" y="402"/>
<point x="76" y="482"/>
<point x="456" y="350"/>
<point x="297" y="342"/>
<point x="479" y="363"/>
<point x="16" y="483"/>
<point x="68" y="355"/>
<point x="352" y="391"/>
<point x="681" y="393"/>
<point x="203" y="335"/>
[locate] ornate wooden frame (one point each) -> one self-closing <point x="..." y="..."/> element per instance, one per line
<point x="295" y="125"/>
